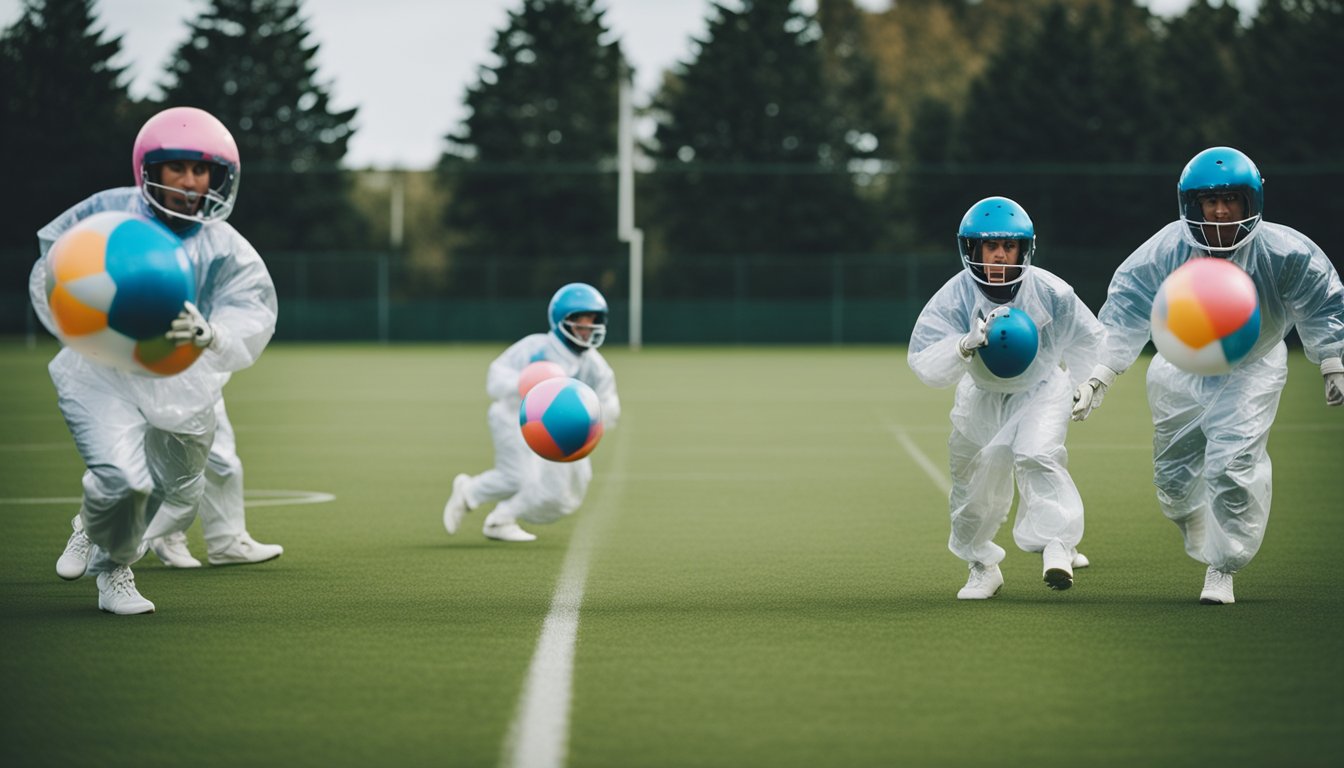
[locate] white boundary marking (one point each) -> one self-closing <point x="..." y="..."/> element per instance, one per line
<point x="538" y="737"/>
<point x="935" y="474"/>
<point x="250" y="499"/>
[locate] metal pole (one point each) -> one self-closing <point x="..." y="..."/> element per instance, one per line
<point x="396" y="229"/>
<point x="625" y="208"/>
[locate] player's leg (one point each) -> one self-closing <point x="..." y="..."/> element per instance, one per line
<point x="1175" y="399"/>
<point x="498" y="483"/>
<point x="109" y="434"/>
<point x="982" y="492"/>
<point x="222" y="511"/>
<point x="1050" y="511"/>
<point x="1237" y="468"/>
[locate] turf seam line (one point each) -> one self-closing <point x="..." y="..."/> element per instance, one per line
<point x="538" y="737"/>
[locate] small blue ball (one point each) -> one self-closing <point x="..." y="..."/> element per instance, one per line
<point x="1013" y="342"/>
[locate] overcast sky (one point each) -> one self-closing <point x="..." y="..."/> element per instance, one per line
<point x="407" y="63"/>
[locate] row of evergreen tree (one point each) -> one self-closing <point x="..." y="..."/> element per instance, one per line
<point x="782" y="134"/>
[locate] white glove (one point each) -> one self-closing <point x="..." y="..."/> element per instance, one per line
<point x="1332" y="368"/>
<point x="973" y="340"/>
<point x="1091" y="392"/>
<point x="191" y="326"/>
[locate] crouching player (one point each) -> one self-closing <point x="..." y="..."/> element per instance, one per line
<point x="527" y="487"/>
<point x="146" y="441"/>
<point x="1003" y="428"/>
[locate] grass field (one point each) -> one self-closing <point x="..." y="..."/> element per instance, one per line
<point x="767" y="584"/>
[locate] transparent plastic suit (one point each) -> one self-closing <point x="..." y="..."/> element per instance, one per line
<point x="145" y="440"/>
<point x="1003" y="428"/>
<point x="527" y="486"/>
<point x="1210" y="465"/>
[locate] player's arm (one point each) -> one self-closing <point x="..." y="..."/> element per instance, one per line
<point x="946" y="327"/>
<point x="604" y="384"/>
<point x="236" y="315"/>
<point x="1315" y="298"/>
<point x="501" y="379"/>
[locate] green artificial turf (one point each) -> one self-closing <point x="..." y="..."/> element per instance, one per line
<point x="768" y="584"/>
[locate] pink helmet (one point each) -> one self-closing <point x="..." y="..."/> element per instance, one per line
<point x="187" y="133"/>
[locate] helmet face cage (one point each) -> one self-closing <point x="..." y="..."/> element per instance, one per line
<point x="190" y="135"/>
<point x="576" y="299"/>
<point x="995" y="218"/>
<point x="1220" y="170"/>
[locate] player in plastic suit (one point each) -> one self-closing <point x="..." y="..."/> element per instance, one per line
<point x="144" y="440"/>
<point x="528" y="487"/>
<point x="1210" y="464"/>
<point x="1006" y="428"/>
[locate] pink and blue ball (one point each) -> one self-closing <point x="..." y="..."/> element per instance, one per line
<point x="561" y="419"/>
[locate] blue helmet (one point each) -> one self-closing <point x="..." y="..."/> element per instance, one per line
<point x="577" y="298"/>
<point x="996" y="218"/>
<point x="1213" y="171"/>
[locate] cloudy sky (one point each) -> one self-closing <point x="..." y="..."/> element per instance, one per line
<point x="406" y="63"/>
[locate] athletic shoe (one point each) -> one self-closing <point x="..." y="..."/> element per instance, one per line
<point x="506" y="532"/>
<point x="117" y="593"/>
<point x="457" y="506"/>
<point x="1058" y="563"/>
<point x="984" y="583"/>
<point x="1217" y="588"/>
<point x="78" y="549"/>
<point x="1080" y="560"/>
<point x="243" y="550"/>
<point x="172" y="550"/>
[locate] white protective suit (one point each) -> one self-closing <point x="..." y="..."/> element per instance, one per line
<point x="527" y="486"/>
<point x="1210" y="465"/>
<point x="1007" y="427"/>
<point x="141" y="435"/>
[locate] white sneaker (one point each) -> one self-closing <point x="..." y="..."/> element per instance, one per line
<point x="117" y="593"/>
<point x="78" y="549"/>
<point x="1080" y="560"/>
<point x="506" y="532"/>
<point x="984" y="583"/>
<point x="1217" y="588"/>
<point x="1058" y="566"/>
<point x="172" y="550"/>
<point x="244" y="550"/>
<point x="457" y="506"/>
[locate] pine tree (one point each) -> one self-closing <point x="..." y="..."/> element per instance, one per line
<point x="1202" y="80"/>
<point x="66" y="128"/>
<point x="1055" y="114"/>
<point x="750" y="157"/>
<point x="531" y="168"/>
<point x="250" y="63"/>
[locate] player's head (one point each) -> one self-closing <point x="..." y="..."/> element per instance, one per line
<point x="996" y="240"/>
<point x="186" y="166"/>
<point x="578" y="315"/>
<point x="1222" y="197"/>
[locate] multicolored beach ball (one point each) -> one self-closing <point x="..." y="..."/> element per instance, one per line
<point x="115" y="282"/>
<point x="1206" y="316"/>
<point x="561" y="419"/>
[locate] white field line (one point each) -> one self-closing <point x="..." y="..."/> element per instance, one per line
<point x="935" y="474"/>
<point x="538" y="737"/>
<point x="250" y="499"/>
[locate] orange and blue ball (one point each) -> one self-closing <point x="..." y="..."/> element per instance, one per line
<point x="1206" y="316"/>
<point x="115" y="282"/>
<point x="561" y="419"/>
